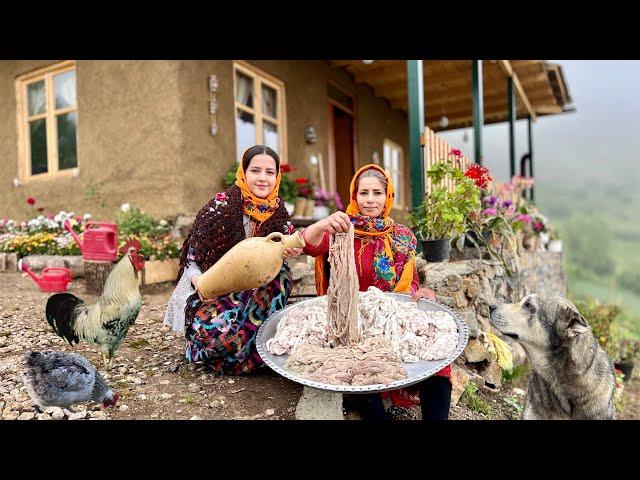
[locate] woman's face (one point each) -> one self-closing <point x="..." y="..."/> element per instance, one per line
<point x="371" y="196"/>
<point x="261" y="175"/>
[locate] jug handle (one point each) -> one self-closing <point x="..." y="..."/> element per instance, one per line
<point x="65" y="270"/>
<point x="273" y="235"/>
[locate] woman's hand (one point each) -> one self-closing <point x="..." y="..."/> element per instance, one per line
<point x="194" y="282"/>
<point x="291" y="252"/>
<point x="338" y="222"/>
<point x="423" y="292"/>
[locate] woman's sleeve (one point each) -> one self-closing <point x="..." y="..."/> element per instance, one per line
<point x="415" y="283"/>
<point x="316" y="250"/>
<point x="191" y="270"/>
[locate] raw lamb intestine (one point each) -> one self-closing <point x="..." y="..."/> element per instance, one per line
<point x="342" y="292"/>
<point x="359" y="338"/>
<point x="413" y="334"/>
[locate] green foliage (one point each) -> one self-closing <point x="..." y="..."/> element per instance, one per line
<point x="136" y="222"/>
<point x="518" y="372"/>
<point x="600" y="318"/>
<point x="472" y="400"/>
<point x="288" y="190"/>
<point x="513" y="402"/>
<point x="230" y="176"/>
<point x="442" y="214"/>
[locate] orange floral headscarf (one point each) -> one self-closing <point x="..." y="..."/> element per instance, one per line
<point x="258" y="208"/>
<point x="395" y="244"/>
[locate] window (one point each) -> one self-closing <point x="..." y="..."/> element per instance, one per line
<point x="259" y="110"/>
<point x="393" y="158"/>
<point x="47" y="121"/>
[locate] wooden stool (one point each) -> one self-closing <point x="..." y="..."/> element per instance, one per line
<point x="95" y="274"/>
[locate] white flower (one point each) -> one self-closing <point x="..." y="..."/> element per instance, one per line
<point x="125" y="207"/>
<point x="163" y="223"/>
<point x="87" y="216"/>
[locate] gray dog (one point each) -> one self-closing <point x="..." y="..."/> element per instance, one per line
<point x="572" y="377"/>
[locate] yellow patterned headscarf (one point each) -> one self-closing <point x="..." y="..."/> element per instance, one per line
<point x="259" y="208"/>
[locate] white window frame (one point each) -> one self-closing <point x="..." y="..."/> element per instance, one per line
<point x="387" y="164"/>
<point x="262" y="78"/>
<point x="23" y="118"/>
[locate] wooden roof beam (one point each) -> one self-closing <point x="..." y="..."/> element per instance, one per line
<point x="506" y="67"/>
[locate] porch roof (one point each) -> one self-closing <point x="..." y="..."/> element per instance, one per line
<point x="541" y="88"/>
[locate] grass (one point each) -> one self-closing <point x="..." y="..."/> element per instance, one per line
<point x="472" y="400"/>
<point x="189" y="399"/>
<point x="519" y="372"/>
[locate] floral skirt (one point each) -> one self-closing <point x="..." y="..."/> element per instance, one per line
<point x="221" y="332"/>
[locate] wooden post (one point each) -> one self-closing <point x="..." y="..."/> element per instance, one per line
<point x="416" y="129"/>
<point x="511" y="93"/>
<point x="95" y="275"/>
<point x="478" y="109"/>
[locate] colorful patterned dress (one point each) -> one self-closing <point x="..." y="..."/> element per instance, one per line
<point x="221" y="332"/>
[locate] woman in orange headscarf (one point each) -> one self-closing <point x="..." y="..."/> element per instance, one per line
<point x="220" y="332"/>
<point x="385" y="258"/>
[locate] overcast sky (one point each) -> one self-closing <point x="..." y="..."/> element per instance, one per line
<point x="601" y="138"/>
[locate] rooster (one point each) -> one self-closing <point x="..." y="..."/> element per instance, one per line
<point x="107" y="321"/>
<point x="63" y="379"/>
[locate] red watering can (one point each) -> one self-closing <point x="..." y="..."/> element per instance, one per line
<point x="100" y="241"/>
<point x="53" y="279"/>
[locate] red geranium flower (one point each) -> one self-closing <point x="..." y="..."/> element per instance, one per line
<point x="479" y="174"/>
<point x="286" y="168"/>
<point x="455" y="152"/>
<point x="31" y="201"/>
<point x="302" y="180"/>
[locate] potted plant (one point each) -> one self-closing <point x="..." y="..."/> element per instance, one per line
<point x="326" y="203"/>
<point x="305" y="201"/>
<point x="492" y="229"/>
<point x="288" y="190"/>
<point x="442" y="213"/>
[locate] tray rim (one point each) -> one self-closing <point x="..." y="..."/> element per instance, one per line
<point x="463" y="338"/>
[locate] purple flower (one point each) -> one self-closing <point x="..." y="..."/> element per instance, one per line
<point x="489" y="211"/>
<point x="490" y="201"/>
<point x="507" y="204"/>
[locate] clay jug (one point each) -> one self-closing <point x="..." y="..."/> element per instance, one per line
<point x="252" y="263"/>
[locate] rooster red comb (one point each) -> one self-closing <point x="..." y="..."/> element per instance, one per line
<point x="130" y="243"/>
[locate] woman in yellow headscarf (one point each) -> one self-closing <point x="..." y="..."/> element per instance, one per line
<point x="221" y="332"/>
<point x="385" y="258"/>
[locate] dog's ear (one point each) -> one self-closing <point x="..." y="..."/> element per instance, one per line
<point x="577" y="324"/>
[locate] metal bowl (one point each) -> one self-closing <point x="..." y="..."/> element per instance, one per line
<point x="416" y="371"/>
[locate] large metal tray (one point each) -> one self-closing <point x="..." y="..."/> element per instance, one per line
<point x="416" y="372"/>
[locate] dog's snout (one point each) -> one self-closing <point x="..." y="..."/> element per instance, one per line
<point x="492" y="308"/>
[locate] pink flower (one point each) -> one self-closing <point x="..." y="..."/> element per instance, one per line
<point x="523" y="218"/>
<point x="455" y="152"/>
<point x="538" y="226"/>
<point x="31" y="201"/>
<point x="489" y="211"/>
<point x="221" y="197"/>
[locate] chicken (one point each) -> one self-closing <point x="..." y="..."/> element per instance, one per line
<point x="106" y="322"/>
<point x="63" y="379"/>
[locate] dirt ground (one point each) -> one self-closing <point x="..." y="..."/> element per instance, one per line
<point x="155" y="382"/>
